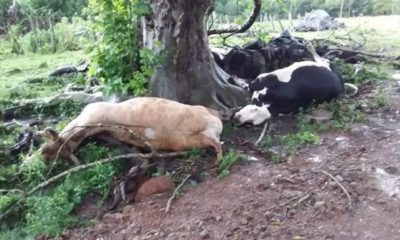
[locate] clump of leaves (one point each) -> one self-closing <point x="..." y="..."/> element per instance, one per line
<point x="227" y="161"/>
<point x="122" y="63"/>
<point x="48" y="212"/>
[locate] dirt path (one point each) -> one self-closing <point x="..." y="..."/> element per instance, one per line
<point x="292" y="200"/>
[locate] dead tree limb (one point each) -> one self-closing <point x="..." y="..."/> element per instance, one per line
<point x="175" y="193"/>
<point x="355" y="52"/>
<point x="250" y="21"/>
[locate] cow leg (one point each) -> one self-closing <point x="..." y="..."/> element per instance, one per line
<point x="217" y="147"/>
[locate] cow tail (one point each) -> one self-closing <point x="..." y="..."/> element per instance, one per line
<point x="354" y="89"/>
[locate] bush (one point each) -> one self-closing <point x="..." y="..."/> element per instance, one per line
<point x="49" y="211"/>
<point x="67" y="35"/>
<point x="121" y="62"/>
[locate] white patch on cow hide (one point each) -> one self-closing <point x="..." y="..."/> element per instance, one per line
<point x="256" y="94"/>
<point x="285" y="74"/>
<point x="150" y="133"/>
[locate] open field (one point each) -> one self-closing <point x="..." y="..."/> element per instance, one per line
<point x="379" y="33"/>
<point x="18" y="70"/>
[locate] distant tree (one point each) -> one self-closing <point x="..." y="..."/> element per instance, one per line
<point x="67" y="8"/>
<point x="4" y="5"/>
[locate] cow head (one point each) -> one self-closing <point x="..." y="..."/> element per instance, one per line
<point x="56" y="147"/>
<point x="253" y="114"/>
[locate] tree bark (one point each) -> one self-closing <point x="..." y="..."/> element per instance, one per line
<point x="189" y="75"/>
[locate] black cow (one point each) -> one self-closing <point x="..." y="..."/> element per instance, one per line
<point x="257" y="57"/>
<point x="288" y="89"/>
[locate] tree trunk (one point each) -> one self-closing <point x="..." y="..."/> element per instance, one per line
<point x="341" y="9"/>
<point x="189" y="75"/>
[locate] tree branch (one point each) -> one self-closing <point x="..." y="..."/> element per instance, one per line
<point x="250" y="21"/>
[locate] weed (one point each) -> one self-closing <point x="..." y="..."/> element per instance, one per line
<point x="380" y="98"/>
<point x="226" y="162"/>
<point x="366" y="72"/>
<point x="49" y="212"/>
<point x="344" y="113"/>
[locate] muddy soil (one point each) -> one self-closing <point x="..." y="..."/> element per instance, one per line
<point x="346" y="187"/>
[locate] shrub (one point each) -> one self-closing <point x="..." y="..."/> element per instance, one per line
<point x="121" y="62"/>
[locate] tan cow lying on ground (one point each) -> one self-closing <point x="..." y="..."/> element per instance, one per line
<point x="163" y="124"/>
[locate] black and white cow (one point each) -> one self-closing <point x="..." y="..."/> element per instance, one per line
<point x="286" y="90"/>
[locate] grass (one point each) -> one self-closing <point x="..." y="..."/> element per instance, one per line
<point x="227" y="161"/>
<point x="21" y="72"/>
<point x="379" y="32"/>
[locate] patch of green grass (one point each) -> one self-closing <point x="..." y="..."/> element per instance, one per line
<point x="344" y="113"/>
<point x="380" y="98"/>
<point x="226" y="162"/>
<point x="48" y="212"/>
<point x="16" y="69"/>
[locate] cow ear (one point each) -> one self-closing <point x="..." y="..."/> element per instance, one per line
<point x="50" y="134"/>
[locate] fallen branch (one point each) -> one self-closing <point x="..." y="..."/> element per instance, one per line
<point x="290" y="200"/>
<point x="85" y="98"/>
<point x="355" y="52"/>
<point x="175" y="193"/>
<point x="86" y="166"/>
<point x="12" y="190"/>
<point x="341" y="186"/>
<point x="250" y="21"/>
<point x="262" y="133"/>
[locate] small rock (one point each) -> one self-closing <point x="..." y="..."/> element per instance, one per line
<point x="218" y="218"/>
<point x="155" y="185"/>
<point x="392" y="170"/>
<point x="319" y="204"/>
<point x="204" y="234"/>
<point x="244" y="221"/>
<point x="320" y="115"/>
<point x="261" y="228"/>
<point x="268" y="215"/>
<point x="200" y="223"/>
<point x="332" y="168"/>
<point x="339" y="178"/>
<point x="262" y="186"/>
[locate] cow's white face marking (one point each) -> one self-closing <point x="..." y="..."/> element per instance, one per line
<point x="285" y="74"/>
<point x="150" y="133"/>
<point x="256" y="94"/>
<point x="253" y="114"/>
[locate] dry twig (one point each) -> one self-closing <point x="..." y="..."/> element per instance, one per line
<point x="262" y="133"/>
<point x="341" y="186"/>
<point x="290" y="200"/>
<point x="175" y="193"/>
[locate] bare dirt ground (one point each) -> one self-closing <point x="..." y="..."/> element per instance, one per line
<point x="296" y="199"/>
